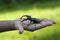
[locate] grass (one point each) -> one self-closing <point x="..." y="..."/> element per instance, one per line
<point x="48" y="33"/>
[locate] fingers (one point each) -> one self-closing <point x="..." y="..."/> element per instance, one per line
<point x="42" y="24"/>
<point x="45" y="19"/>
<point x="53" y="21"/>
<point x="42" y="19"/>
<point x="45" y="23"/>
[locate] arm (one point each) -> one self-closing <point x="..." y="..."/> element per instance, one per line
<point x="7" y="25"/>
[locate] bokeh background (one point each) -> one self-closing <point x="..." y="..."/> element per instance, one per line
<point x="13" y="9"/>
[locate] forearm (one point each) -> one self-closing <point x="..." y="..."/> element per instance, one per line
<point x="7" y="25"/>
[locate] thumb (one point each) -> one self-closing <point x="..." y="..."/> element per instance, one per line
<point x="19" y="27"/>
<point x="21" y="30"/>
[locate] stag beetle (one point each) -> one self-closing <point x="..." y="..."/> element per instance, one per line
<point x="28" y="17"/>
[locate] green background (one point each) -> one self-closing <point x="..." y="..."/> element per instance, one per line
<point x="13" y="9"/>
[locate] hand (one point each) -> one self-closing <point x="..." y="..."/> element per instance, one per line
<point x="30" y="26"/>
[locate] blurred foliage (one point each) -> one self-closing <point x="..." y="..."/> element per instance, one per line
<point x="21" y="1"/>
<point x="12" y="5"/>
<point x="12" y="9"/>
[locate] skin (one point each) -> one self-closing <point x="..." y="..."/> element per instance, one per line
<point x="35" y="26"/>
<point x="7" y="25"/>
<point x="18" y="24"/>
